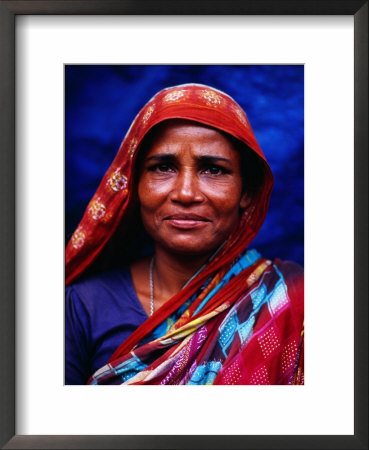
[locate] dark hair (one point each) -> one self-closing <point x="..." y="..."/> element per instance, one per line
<point x="251" y="166"/>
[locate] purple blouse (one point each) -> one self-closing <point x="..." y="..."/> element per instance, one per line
<point x="100" y="313"/>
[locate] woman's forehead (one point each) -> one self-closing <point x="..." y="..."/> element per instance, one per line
<point x="183" y="132"/>
<point x="180" y="126"/>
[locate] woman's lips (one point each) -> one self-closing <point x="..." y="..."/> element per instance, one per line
<point x="186" y="222"/>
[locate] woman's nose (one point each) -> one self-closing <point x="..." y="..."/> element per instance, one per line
<point x="186" y="188"/>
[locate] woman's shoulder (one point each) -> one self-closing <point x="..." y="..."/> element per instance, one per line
<point x="110" y="286"/>
<point x="289" y="267"/>
<point x="291" y="272"/>
<point x="100" y="280"/>
<point x="292" y="275"/>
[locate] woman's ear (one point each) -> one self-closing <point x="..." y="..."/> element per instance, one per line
<point x="245" y="201"/>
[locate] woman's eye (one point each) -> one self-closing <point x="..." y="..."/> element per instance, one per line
<point x="214" y="170"/>
<point x="161" y="168"/>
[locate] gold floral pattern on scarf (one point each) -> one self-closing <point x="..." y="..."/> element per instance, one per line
<point x="132" y="147"/>
<point x="210" y="97"/>
<point x="147" y="114"/>
<point x="78" y="238"/>
<point x="117" y="181"/>
<point x="174" y="96"/>
<point x="97" y="209"/>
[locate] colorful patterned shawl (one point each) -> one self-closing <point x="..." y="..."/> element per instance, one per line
<point x="243" y="327"/>
<point x="240" y="319"/>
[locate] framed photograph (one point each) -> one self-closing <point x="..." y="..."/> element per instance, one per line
<point x="61" y="61"/>
<point x="99" y="95"/>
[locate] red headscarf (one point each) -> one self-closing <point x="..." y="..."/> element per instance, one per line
<point x="109" y="204"/>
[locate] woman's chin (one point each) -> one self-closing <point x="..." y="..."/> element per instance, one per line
<point x="190" y="249"/>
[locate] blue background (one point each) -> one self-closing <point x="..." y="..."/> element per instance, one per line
<point x="101" y="101"/>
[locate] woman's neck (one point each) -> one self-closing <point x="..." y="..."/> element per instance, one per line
<point x="172" y="272"/>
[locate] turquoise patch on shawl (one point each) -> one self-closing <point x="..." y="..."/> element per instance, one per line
<point x="245" y="261"/>
<point x="206" y="373"/>
<point x="227" y="331"/>
<point x="258" y="296"/>
<point x="125" y="370"/>
<point x="130" y="368"/>
<point x="279" y="297"/>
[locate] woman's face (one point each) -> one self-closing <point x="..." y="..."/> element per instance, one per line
<point x="190" y="188"/>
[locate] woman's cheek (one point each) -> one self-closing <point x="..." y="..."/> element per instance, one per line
<point x="150" y="190"/>
<point x="228" y="197"/>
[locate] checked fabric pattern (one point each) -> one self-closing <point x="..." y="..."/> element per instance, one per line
<point x="257" y="339"/>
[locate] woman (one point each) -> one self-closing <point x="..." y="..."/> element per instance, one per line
<point x="200" y="308"/>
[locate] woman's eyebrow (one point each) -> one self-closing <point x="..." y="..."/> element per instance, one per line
<point x="162" y="157"/>
<point x="170" y="157"/>
<point x="211" y="159"/>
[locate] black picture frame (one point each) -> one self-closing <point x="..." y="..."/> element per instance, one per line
<point x="8" y="11"/>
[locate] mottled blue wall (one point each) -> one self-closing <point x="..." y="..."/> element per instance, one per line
<point x="101" y="102"/>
